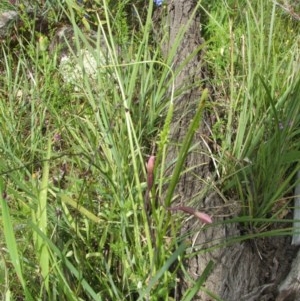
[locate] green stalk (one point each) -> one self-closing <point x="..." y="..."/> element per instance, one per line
<point x="41" y="218"/>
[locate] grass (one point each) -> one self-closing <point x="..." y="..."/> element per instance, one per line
<point x="259" y="120"/>
<point x="73" y="155"/>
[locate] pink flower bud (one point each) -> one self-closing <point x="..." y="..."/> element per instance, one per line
<point x="150" y="168"/>
<point x="150" y="164"/>
<point x="204" y="218"/>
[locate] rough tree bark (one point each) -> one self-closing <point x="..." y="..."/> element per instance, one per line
<point x="250" y="270"/>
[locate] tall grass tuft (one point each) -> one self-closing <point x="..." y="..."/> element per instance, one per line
<point x="77" y="150"/>
<point x="73" y="153"/>
<point x="258" y="122"/>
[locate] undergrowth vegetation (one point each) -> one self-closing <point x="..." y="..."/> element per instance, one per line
<point x="256" y="79"/>
<point x="72" y="163"/>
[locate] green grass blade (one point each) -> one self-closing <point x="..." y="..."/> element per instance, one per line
<point x="11" y="240"/>
<point x="190" y="294"/>
<point x="186" y="143"/>
<point x="41" y="218"/>
<point x="68" y="200"/>
<point x="162" y="270"/>
<point x="11" y="244"/>
<point x="73" y="270"/>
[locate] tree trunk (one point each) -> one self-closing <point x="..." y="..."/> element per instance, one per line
<point x="249" y="270"/>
